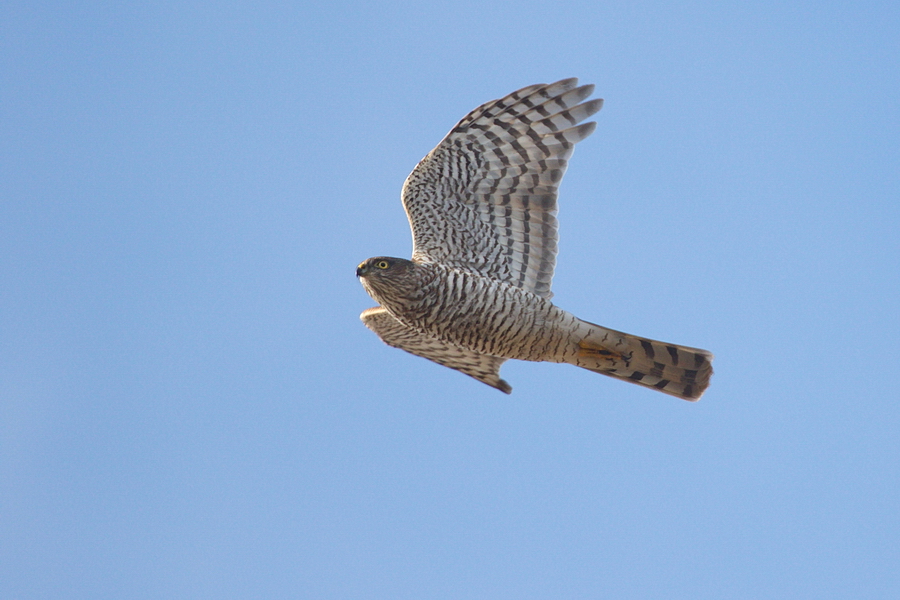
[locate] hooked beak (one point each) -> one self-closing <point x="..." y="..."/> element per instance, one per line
<point x="360" y="271"/>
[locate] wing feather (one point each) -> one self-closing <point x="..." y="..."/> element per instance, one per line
<point x="482" y="367"/>
<point x="485" y="199"/>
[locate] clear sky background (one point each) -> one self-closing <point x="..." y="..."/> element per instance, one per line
<point x="190" y="407"/>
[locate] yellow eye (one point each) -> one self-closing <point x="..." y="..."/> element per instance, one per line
<point x="382" y="264"/>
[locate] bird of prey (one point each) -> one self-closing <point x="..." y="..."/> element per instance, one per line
<point x="482" y="208"/>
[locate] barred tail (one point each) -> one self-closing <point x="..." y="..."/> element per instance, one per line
<point x="677" y="370"/>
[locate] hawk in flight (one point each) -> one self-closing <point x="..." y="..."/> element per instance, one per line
<point x="482" y="207"/>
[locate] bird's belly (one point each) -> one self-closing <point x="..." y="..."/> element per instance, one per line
<point x="494" y="318"/>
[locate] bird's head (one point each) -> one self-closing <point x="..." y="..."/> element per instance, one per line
<point x="380" y="266"/>
<point x="387" y="278"/>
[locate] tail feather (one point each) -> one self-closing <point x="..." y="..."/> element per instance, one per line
<point x="676" y="370"/>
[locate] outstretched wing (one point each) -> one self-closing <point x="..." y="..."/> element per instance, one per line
<point x="482" y="367"/>
<point x="485" y="198"/>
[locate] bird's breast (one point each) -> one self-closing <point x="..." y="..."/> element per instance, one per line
<point x="484" y="315"/>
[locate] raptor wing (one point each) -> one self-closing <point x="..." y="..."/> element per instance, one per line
<point x="482" y="367"/>
<point x="485" y="198"/>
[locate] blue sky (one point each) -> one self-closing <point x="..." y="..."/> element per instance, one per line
<point x="190" y="407"/>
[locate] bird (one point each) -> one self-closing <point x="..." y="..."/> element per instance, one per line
<point x="476" y="292"/>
